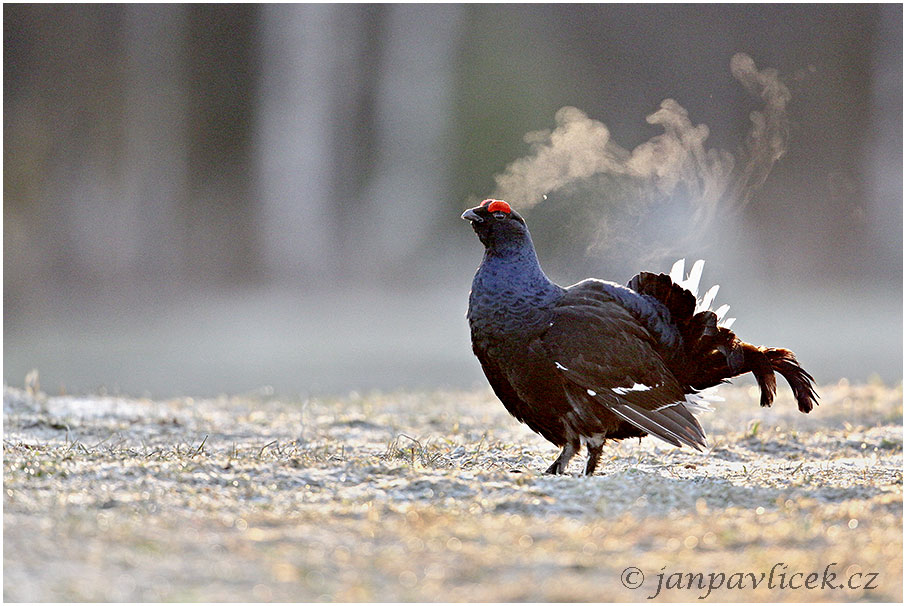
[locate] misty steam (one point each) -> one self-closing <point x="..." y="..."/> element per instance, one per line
<point x="674" y="168"/>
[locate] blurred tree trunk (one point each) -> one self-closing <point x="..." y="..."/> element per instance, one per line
<point x="218" y="233"/>
<point x="882" y="159"/>
<point x="413" y="105"/>
<point x="298" y="50"/>
<point x="95" y="130"/>
<point x="353" y="146"/>
<point x="156" y="151"/>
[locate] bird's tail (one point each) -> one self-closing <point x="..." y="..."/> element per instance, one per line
<point x="763" y="362"/>
<point x="723" y="356"/>
<point x="712" y="352"/>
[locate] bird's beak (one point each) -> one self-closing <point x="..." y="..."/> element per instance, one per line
<point x="471" y="215"/>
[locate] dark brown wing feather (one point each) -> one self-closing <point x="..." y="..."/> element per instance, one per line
<point x="609" y="363"/>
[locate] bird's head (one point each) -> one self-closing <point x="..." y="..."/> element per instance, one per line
<point x="496" y="223"/>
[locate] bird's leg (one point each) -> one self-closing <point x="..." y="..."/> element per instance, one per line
<point x="595" y="447"/>
<point x="562" y="461"/>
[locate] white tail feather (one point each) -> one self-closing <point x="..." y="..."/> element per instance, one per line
<point x="708" y="299"/>
<point x="721" y="311"/>
<point x="698" y="404"/>
<point x="695" y="276"/>
<point x="691" y="283"/>
<point x="709" y="394"/>
<point x="695" y="402"/>
<point x="676" y="272"/>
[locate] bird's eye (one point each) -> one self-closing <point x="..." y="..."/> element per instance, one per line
<point x="500" y="215"/>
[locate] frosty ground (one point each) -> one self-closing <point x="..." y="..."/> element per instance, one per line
<point x="439" y="496"/>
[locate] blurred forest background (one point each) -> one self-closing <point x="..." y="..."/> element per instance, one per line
<point x="204" y="199"/>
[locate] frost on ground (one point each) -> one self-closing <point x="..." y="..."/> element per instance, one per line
<point x="439" y="497"/>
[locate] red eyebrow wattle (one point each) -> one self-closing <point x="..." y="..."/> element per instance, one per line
<point x="497" y="206"/>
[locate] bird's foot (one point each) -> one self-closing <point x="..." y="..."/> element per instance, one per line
<point x="559" y="466"/>
<point x="556" y="469"/>
<point x="595" y="447"/>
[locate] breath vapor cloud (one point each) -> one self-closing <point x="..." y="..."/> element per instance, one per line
<point x="580" y="148"/>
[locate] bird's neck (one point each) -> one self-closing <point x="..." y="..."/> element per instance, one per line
<point x="510" y="283"/>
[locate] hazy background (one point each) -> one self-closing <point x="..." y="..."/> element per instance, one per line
<point x="210" y="199"/>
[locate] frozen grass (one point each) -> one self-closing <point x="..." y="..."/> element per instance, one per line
<point x="439" y="496"/>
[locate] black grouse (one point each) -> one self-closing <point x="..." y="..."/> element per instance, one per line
<point x="599" y="361"/>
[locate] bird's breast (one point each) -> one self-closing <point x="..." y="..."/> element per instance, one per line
<point x="508" y="317"/>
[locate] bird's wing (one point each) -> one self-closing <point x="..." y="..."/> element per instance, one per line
<point x="607" y="358"/>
